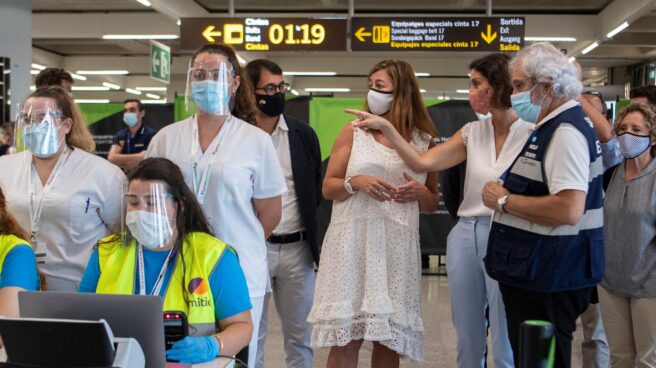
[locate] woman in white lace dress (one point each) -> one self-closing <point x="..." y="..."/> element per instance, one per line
<point x="368" y="286"/>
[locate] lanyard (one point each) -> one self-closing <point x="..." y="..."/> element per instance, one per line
<point x="157" y="287"/>
<point x="35" y="213"/>
<point x="200" y="187"/>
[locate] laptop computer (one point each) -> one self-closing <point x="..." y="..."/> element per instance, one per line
<point x="137" y="316"/>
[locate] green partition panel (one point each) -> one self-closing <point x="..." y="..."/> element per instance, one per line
<point x="95" y="112"/>
<point x="179" y="111"/>
<point x="327" y="117"/>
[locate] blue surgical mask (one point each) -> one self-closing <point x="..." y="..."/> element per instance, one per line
<point x="41" y="139"/>
<point x="522" y="104"/>
<point x="130" y="119"/>
<point x="632" y="145"/>
<point x="211" y="96"/>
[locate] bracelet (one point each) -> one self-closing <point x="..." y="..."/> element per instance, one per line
<point x="220" y="340"/>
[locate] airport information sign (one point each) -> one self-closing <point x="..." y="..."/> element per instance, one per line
<point x="265" y="34"/>
<point x="500" y="34"/>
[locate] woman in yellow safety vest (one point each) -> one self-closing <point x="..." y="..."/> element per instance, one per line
<point x="168" y="250"/>
<point x="17" y="262"/>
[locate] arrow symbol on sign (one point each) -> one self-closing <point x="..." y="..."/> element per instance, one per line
<point x="361" y="34"/>
<point x="209" y="33"/>
<point x="489" y="37"/>
<point x="156" y="62"/>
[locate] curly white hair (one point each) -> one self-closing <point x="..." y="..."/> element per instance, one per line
<point x="544" y="63"/>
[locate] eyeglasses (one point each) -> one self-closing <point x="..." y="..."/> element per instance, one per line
<point x="198" y="74"/>
<point x="597" y="94"/>
<point x="593" y="93"/>
<point x="272" y="89"/>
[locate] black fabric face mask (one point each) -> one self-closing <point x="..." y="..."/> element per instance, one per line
<point x="272" y="105"/>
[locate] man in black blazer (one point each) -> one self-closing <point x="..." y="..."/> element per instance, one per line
<point x="292" y="249"/>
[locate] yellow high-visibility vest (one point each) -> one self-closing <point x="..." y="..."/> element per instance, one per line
<point x="200" y="254"/>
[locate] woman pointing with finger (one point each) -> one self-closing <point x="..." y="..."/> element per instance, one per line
<point x="369" y="279"/>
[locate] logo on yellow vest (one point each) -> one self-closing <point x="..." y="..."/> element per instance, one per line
<point x="197" y="286"/>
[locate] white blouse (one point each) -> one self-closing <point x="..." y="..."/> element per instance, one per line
<point x="483" y="165"/>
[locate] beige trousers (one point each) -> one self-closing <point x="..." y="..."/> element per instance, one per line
<point x="630" y="325"/>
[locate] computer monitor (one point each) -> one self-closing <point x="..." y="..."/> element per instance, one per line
<point x="137" y="316"/>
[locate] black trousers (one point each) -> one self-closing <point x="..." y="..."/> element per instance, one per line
<point x="560" y="308"/>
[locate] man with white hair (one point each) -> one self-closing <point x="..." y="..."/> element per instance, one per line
<point x="546" y="241"/>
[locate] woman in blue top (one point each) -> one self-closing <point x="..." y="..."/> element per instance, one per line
<point x="168" y="250"/>
<point x="17" y="262"/>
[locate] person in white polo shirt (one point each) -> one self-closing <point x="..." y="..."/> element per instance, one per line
<point x="229" y="163"/>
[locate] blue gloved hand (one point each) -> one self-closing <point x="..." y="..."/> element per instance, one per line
<point x="194" y="349"/>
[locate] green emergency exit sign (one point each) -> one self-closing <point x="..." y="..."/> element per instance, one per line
<point x="160" y="62"/>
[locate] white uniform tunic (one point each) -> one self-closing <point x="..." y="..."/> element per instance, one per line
<point x="82" y="206"/>
<point x="240" y="164"/>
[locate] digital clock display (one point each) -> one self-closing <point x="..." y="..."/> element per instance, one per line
<point x="265" y="34"/>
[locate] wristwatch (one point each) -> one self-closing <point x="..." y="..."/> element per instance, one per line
<point x="347" y="185"/>
<point x="502" y="202"/>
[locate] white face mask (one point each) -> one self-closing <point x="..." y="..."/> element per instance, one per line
<point x="152" y="230"/>
<point x="379" y="102"/>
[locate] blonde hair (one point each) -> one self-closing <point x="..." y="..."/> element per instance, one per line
<point x="79" y="136"/>
<point x="408" y="111"/>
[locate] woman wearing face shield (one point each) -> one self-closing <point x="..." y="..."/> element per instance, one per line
<point x="368" y="286"/>
<point x="230" y="164"/>
<point x="628" y="290"/>
<point x="489" y="146"/>
<point x="17" y="262"/>
<point x="167" y="249"/>
<point x="64" y="196"/>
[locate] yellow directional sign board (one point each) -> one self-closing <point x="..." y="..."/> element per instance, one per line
<point x="499" y="34"/>
<point x="265" y="34"/>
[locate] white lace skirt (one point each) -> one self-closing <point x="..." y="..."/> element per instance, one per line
<point x="368" y="287"/>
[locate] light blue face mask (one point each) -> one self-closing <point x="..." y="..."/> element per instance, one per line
<point x="521" y="103"/>
<point x="211" y="96"/>
<point x="130" y="119"/>
<point x="42" y="139"/>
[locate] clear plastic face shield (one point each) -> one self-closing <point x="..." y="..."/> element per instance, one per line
<point x="150" y="214"/>
<point x="209" y="87"/>
<point x="40" y="127"/>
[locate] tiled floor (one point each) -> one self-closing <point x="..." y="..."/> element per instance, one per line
<point x="439" y="340"/>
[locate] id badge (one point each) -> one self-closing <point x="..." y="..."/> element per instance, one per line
<point x="40" y="250"/>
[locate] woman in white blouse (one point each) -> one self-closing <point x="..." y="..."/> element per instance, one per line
<point x="489" y="146"/>
<point x="66" y="197"/>
<point x="229" y="163"/>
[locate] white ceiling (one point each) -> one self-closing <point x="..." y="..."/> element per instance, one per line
<point x="67" y="33"/>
